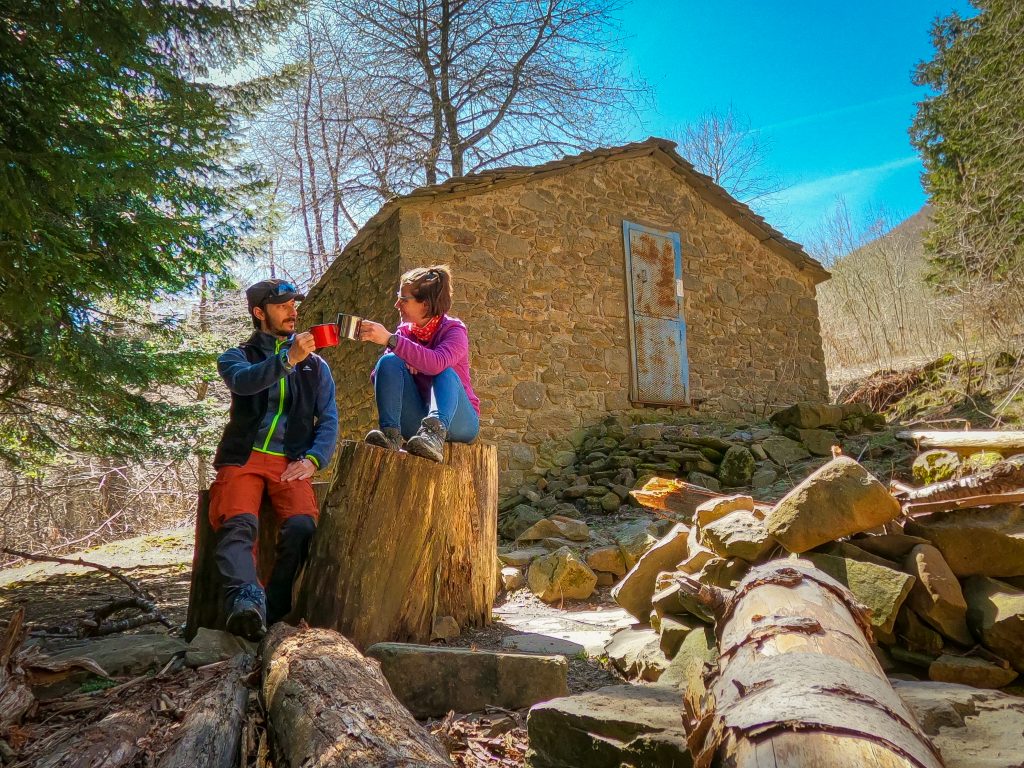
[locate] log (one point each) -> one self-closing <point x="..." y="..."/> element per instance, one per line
<point x="327" y="705"/>
<point x="15" y="694"/>
<point x="111" y="743"/>
<point x="205" y="601"/>
<point x="401" y="541"/>
<point x="212" y="727"/>
<point x="797" y="684"/>
<point x="1005" y="477"/>
<point x="670" y="495"/>
<point x="966" y="441"/>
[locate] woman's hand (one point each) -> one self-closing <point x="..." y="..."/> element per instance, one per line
<point x="375" y="332"/>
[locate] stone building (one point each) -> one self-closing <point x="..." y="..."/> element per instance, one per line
<point x="610" y="282"/>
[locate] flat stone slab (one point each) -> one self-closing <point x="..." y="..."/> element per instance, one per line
<point x="211" y="645"/>
<point x="432" y="681"/>
<point x="971" y="727"/>
<point x="639" y="726"/>
<point x="535" y="643"/>
<point x="590" y="628"/>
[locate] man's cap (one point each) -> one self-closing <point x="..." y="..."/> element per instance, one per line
<point x="272" y="292"/>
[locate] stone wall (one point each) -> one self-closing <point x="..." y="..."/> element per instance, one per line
<point x="540" y="279"/>
<point x="362" y="282"/>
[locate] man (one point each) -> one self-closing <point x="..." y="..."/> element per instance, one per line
<point x="282" y="428"/>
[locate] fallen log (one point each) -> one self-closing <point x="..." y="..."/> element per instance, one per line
<point x="797" y="684"/>
<point x="111" y="743"/>
<point x="329" y="706"/>
<point x="15" y="694"/>
<point x="1004" y="477"/>
<point x="966" y="441"/>
<point x="670" y="495"/>
<point x="402" y="541"/>
<point x="212" y="727"/>
<point x="920" y="508"/>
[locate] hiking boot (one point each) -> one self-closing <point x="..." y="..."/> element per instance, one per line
<point x="248" y="612"/>
<point x="389" y="437"/>
<point x="428" y="441"/>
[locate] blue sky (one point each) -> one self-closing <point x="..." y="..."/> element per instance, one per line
<point x="827" y="84"/>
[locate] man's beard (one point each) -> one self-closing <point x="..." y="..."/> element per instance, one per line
<point x="276" y="330"/>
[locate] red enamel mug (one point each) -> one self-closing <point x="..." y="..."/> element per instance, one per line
<point x="325" y="335"/>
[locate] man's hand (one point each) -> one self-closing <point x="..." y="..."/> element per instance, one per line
<point x="298" y="470"/>
<point x="302" y="347"/>
<point x="375" y="332"/>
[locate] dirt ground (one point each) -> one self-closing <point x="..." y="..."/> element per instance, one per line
<point x="55" y="596"/>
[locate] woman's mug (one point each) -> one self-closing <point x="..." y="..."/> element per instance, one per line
<point x="348" y="326"/>
<point x="325" y="335"/>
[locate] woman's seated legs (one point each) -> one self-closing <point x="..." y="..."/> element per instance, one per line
<point x="399" y="405"/>
<point x="450" y="404"/>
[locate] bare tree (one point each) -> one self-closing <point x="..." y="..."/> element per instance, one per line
<point x="721" y="144"/>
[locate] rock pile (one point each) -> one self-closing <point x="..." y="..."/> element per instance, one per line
<point x="945" y="590"/>
<point x="550" y="548"/>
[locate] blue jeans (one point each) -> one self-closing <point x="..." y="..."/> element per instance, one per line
<point x="399" y="403"/>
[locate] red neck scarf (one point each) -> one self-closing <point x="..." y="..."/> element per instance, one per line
<point x="424" y="333"/>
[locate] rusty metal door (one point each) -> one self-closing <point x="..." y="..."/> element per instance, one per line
<point x="657" y="328"/>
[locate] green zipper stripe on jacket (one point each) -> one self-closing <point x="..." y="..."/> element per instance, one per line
<point x="280" y="403"/>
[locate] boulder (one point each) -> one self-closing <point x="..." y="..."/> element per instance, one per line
<point x="520" y="558"/>
<point x="542" y="529"/>
<point x="634" y="539"/>
<point x="636" y="588"/>
<point x="916" y="635"/>
<point x="739" y="534"/>
<point x="608" y="559"/>
<point x="212" y="645"/>
<point x="445" y="628"/>
<point x="704" y="481"/>
<point x="818" y="441"/>
<point x="696" y="554"/>
<point x="995" y="614"/>
<point x="839" y="499"/>
<point x="638" y="726"/>
<point x="882" y="590"/>
<point x="979" y="461"/>
<point x="891" y="546"/>
<point x="936" y="595"/>
<point x="971" y="728"/>
<point x="673" y="631"/>
<point x="512" y="578"/>
<point x="722" y="572"/>
<point x="610" y="502"/>
<point x="670" y="600"/>
<point x="737" y="467"/>
<point x="712" y="509"/>
<point x="968" y="670"/>
<point x="976" y="542"/>
<point x="935" y="466"/>
<point x="432" y="681"/>
<point x="556" y="527"/>
<point x="763" y="478"/>
<point x="808" y="416"/>
<point x="561" y="575"/>
<point x="784" y="451"/>
<point x="698" y="649"/>
<point x="636" y="652"/>
<point x="517" y="520"/>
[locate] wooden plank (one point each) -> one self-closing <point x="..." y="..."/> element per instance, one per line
<point x="966" y="441"/>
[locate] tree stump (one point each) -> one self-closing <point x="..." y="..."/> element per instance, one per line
<point x="205" y="601"/>
<point x="329" y="706"/>
<point x="797" y="684"/>
<point x="401" y="541"/>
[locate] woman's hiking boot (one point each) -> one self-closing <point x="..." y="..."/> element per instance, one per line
<point x="428" y="441"/>
<point x="389" y="437"/>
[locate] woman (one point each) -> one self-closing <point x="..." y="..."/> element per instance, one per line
<point x="422" y="379"/>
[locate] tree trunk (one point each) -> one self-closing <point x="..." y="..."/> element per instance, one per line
<point x="797" y="683"/>
<point x="967" y="441"/>
<point x="403" y="540"/>
<point x="213" y="725"/>
<point x="329" y="706"/>
<point x="205" y="601"/>
<point x="15" y="695"/>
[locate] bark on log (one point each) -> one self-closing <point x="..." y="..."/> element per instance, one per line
<point x="797" y="684"/>
<point x="205" y="602"/>
<point x="111" y="743"/>
<point x="403" y="540"/>
<point x="15" y="694"/>
<point x="966" y="441"/>
<point x="329" y="706"/>
<point x="669" y="495"/>
<point x="212" y="727"/>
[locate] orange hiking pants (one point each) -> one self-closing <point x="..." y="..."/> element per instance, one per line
<point x="239" y="491"/>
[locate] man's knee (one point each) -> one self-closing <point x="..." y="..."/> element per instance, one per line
<point x="299" y="527"/>
<point x="238" y="528"/>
